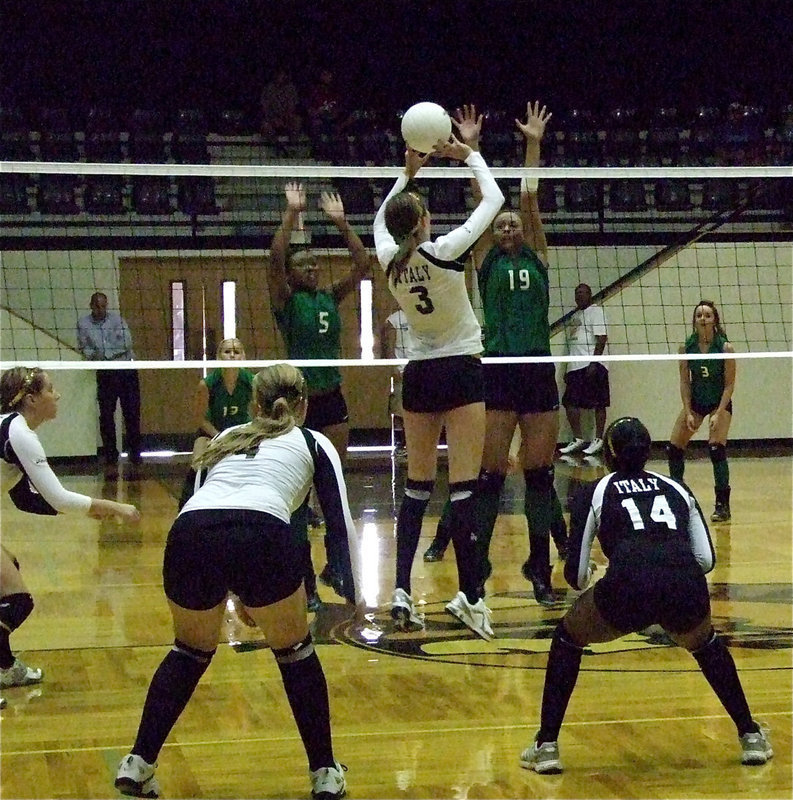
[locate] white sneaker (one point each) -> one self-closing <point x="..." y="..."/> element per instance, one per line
<point x="543" y="759"/>
<point x="135" y="777"/>
<point x="756" y="747"/>
<point x="595" y="446"/>
<point x="2" y="702"/>
<point x="19" y="674"/>
<point x="404" y="613"/>
<point x="476" y="617"/>
<point x="574" y="446"/>
<point x="328" y="783"/>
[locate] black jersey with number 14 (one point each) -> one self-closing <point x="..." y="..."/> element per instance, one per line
<point x="644" y="514"/>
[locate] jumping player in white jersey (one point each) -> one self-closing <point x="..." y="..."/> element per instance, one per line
<point x="652" y="531"/>
<point x="234" y="535"/>
<point x="28" y="399"/>
<point x="442" y="382"/>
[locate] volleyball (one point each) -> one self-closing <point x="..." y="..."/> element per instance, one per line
<point x="423" y="124"/>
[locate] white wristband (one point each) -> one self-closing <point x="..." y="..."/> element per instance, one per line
<point x="529" y="185"/>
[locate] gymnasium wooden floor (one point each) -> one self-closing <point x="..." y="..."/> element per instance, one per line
<point x="440" y="714"/>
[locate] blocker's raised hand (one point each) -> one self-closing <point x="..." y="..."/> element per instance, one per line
<point x="536" y="120"/>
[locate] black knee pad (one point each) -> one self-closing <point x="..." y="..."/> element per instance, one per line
<point x="203" y="657"/>
<point x="490" y="482"/>
<point x="562" y="637"/>
<point x="713" y="643"/>
<point x="675" y="454"/>
<point x="297" y="652"/>
<point x="718" y="452"/>
<point x="15" y="609"/>
<point x="540" y="479"/>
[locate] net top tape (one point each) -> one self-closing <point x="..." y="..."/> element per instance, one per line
<point x="376" y="362"/>
<point x="292" y="171"/>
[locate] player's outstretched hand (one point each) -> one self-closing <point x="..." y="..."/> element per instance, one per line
<point x="536" y="120"/>
<point x="454" y="148"/>
<point x="295" y="196"/>
<point x="332" y="205"/>
<point x="468" y="124"/>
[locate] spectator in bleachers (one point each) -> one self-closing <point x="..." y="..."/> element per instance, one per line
<point x="280" y="107"/>
<point x="739" y="136"/>
<point x="328" y="118"/>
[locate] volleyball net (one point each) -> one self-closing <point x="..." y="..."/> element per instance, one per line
<point x="182" y="251"/>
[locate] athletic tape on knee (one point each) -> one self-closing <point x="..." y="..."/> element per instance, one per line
<point x="718" y="453"/>
<point x="15" y="609"/>
<point x="297" y="652"/>
<point x="201" y="656"/>
<point x="419" y="490"/>
<point x="461" y="490"/>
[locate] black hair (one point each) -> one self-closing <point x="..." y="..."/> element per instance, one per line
<point x="627" y="445"/>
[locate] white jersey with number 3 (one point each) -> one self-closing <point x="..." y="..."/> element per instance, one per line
<point x="430" y="288"/>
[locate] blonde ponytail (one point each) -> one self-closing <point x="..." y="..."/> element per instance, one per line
<point x="280" y="391"/>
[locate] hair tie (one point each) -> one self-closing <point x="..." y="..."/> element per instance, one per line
<point x="25" y="386"/>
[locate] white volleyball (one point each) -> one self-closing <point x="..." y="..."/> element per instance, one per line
<point x="424" y="124"/>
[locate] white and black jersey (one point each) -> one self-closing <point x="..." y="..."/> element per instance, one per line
<point x="430" y="288"/>
<point x="27" y="477"/>
<point x="648" y="515"/>
<point x="275" y="478"/>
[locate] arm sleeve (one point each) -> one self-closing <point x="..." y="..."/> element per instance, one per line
<point x="583" y="529"/>
<point x="384" y="242"/>
<point x="33" y="461"/>
<point x="342" y="537"/>
<point x="462" y="239"/>
<point x="699" y="537"/>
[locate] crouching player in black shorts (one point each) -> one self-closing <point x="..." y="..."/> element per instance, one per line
<point x="234" y="535"/>
<point x="653" y="533"/>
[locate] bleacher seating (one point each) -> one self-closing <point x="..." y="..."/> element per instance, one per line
<point x="735" y="134"/>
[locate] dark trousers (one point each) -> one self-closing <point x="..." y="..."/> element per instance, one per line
<point x="112" y="386"/>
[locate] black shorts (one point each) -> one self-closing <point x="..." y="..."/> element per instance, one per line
<point x="210" y="553"/>
<point x="326" y="409"/>
<point x="585" y="391"/>
<point x="523" y="388"/>
<point x="703" y="411"/>
<point x="642" y="588"/>
<point x="441" y="384"/>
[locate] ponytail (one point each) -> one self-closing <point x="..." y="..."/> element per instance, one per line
<point x="280" y="391"/>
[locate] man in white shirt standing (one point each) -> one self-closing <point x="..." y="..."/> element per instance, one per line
<point x="586" y="382"/>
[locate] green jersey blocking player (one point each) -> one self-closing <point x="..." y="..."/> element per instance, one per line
<point x="309" y="320"/>
<point x="512" y="266"/>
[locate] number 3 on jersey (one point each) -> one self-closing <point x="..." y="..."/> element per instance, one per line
<point x="660" y="513"/>
<point x="424" y="306"/>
